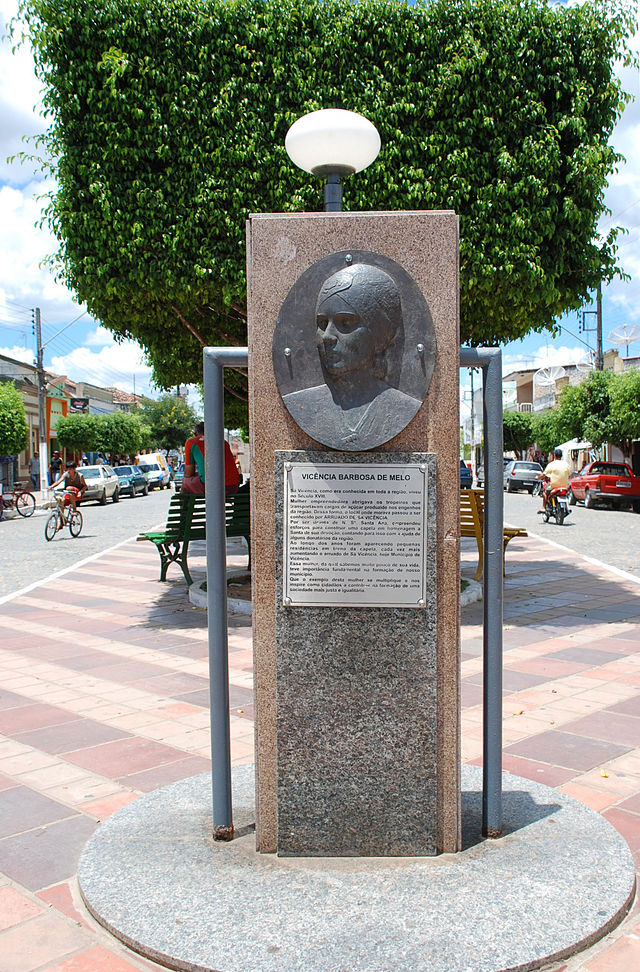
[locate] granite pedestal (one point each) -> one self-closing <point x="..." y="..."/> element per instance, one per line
<point x="352" y="799"/>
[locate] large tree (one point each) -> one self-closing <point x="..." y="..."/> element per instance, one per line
<point x="550" y="429"/>
<point x="120" y="433"/>
<point x="625" y="409"/>
<point x="171" y="420"/>
<point x="168" y="120"/>
<point x="79" y="433"/>
<point x="603" y="408"/>
<point x="518" y="431"/>
<point x="14" y="431"/>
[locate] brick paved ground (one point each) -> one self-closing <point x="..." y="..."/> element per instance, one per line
<point x="103" y="695"/>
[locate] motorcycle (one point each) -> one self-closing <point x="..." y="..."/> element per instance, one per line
<point x="556" y="505"/>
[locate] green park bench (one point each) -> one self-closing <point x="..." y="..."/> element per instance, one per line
<point x="186" y="521"/>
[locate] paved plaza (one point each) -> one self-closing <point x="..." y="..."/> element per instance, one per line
<point x="104" y="694"/>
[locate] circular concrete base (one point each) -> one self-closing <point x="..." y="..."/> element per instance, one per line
<point x="559" y="879"/>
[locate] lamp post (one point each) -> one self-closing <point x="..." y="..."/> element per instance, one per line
<point x="332" y="143"/>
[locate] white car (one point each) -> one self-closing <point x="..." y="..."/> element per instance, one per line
<point x="102" y="484"/>
<point x="158" y="477"/>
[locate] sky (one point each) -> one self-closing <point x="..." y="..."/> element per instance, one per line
<point x="86" y="351"/>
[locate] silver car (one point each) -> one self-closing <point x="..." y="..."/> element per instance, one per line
<point x="521" y="475"/>
<point x="102" y="484"/>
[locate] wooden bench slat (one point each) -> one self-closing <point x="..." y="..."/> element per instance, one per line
<point x="472" y="525"/>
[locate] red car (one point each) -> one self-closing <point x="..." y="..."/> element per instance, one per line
<point x="605" y="482"/>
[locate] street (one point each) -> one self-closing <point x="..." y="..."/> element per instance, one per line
<point x="27" y="557"/>
<point x="611" y="536"/>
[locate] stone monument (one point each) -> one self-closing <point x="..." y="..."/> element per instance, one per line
<point x="353" y="362"/>
<point x="353" y="351"/>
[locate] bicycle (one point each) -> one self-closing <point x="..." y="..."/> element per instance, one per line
<point x="59" y="519"/>
<point x="20" y="500"/>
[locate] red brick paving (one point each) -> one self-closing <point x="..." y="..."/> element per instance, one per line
<point x="32" y="716"/>
<point x="568" y="749"/>
<point x="89" y="730"/>
<point x="132" y="755"/>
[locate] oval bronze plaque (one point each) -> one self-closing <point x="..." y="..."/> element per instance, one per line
<point x="353" y="350"/>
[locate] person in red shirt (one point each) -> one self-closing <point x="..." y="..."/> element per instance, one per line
<point x="193" y="481"/>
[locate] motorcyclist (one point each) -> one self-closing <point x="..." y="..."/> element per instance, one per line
<point x="556" y="475"/>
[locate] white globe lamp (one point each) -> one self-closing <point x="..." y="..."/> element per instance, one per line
<point x="332" y="143"/>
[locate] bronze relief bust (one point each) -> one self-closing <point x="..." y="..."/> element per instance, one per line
<point x="347" y="370"/>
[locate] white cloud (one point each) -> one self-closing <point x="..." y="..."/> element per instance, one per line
<point x="100" y="338"/>
<point x="20" y="93"/>
<point x="23" y="247"/>
<point x="545" y="357"/>
<point x="114" y="365"/>
<point x="19" y="353"/>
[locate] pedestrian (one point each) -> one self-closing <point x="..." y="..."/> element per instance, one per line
<point x="34" y="470"/>
<point x="55" y="467"/>
<point x="193" y="481"/>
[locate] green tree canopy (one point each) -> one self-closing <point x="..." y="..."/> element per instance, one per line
<point x="171" y="420"/>
<point x="168" y="120"/>
<point x="625" y="409"/>
<point x="146" y="438"/>
<point x="120" y="433"/>
<point x="603" y="408"/>
<point x="14" y="431"/>
<point x="549" y="430"/>
<point x="517" y="430"/>
<point x="594" y="406"/>
<point x="79" y="433"/>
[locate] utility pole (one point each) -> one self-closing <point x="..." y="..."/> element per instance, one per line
<point x="599" y="354"/>
<point x="43" y="446"/>
<point x="582" y="318"/>
<point x="473" y="431"/>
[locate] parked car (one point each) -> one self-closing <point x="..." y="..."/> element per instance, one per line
<point x="158" y="477"/>
<point x="480" y="471"/>
<point x="102" y="484"/>
<point x="521" y="475"/>
<point x="466" y="478"/>
<point x="132" y="481"/>
<point x="178" y="476"/>
<point x="612" y="483"/>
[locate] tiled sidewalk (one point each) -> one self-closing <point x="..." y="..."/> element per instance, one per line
<point x="103" y="695"/>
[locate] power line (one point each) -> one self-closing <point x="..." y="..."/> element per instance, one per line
<point x="621" y="212"/>
<point x="68" y="347"/>
<point x="15" y="304"/>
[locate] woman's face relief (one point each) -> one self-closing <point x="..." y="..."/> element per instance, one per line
<point x="353" y="350"/>
<point x="343" y="339"/>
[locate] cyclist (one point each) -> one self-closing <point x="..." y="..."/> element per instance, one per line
<point x="74" y="487"/>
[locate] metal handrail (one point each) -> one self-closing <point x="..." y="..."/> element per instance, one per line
<point x="215" y="360"/>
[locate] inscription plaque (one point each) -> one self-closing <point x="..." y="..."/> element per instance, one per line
<point x="355" y="535"/>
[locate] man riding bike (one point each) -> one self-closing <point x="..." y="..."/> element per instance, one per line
<point x="556" y="473"/>
<point x="74" y="487"/>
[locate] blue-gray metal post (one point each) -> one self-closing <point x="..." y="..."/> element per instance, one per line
<point x="214" y="361"/>
<point x="490" y="360"/>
